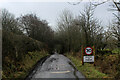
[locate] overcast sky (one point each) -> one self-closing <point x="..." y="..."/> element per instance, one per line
<point x="50" y="11"/>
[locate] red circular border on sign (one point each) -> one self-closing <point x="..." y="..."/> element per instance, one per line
<point x="91" y="52"/>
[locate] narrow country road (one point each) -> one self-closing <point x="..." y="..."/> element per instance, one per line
<point x="57" y="66"/>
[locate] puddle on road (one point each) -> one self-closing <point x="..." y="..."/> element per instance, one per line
<point x="51" y="67"/>
<point x="54" y="59"/>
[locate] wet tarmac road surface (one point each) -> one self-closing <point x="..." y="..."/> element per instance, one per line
<point x="55" y="67"/>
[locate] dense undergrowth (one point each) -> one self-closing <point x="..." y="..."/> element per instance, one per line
<point x="19" y="54"/>
<point x="21" y="68"/>
<point x="106" y="66"/>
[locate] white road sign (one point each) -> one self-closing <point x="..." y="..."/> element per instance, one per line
<point x="88" y="50"/>
<point x="88" y="59"/>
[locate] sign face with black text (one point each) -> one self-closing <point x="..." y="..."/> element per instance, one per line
<point x="88" y="59"/>
<point x="88" y="50"/>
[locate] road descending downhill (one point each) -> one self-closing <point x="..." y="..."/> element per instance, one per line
<point x="55" y="67"/>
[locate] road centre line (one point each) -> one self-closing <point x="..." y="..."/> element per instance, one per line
<point x="60" y="72"/>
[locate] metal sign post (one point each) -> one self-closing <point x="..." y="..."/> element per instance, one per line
<point x="82" y="56"/>
<point x="94" y="54"/>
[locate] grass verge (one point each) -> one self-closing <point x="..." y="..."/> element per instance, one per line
<point x="117" y="51"/>
<point x="87" y="69"/>
<point x="22" y="68"/>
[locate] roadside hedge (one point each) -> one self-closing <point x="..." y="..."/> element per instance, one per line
<point x="16" y="47"/>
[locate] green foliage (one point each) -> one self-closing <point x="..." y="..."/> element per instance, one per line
<point x="15" y="48"/>
<point x="18" y="45"/>
<point x="87" y="69"/>
<point x="109" y="64"/>
<point x="117" y="50"/>
<point x="108" y="69"/>
<point x="36" y="28"/>
<point x="118" y="68"/>
<point x="104" y="52"/>
<point x="23" y="35"/>
<point x="22" y="68"/>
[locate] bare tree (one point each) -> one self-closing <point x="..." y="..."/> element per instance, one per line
<point x="64" y="25"/>
<point x="80" y="30"/>
<point x="35" y="28"/>
<point x="9" y="23"/>
<point x="91" y="28"/>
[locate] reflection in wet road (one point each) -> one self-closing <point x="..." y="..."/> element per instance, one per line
<point x="57" y="66"/>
